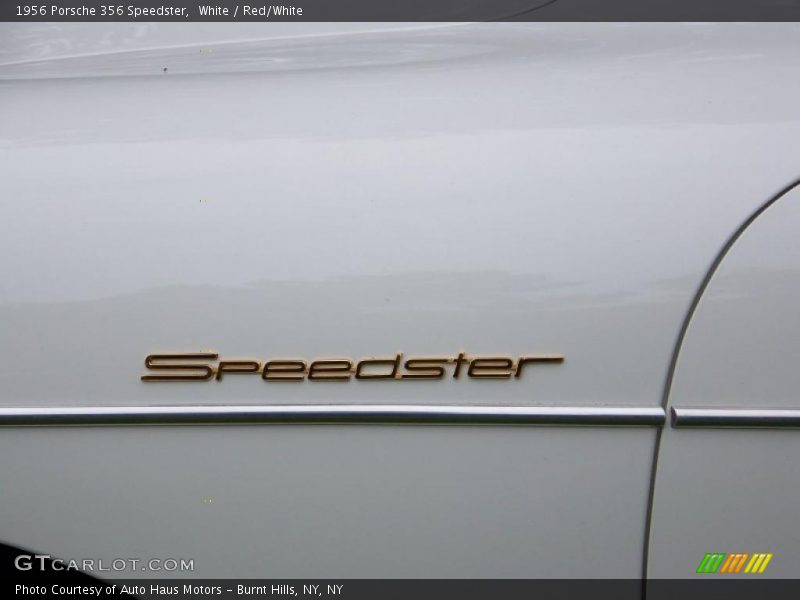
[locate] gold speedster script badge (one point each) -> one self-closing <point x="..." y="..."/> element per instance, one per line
<point x="205" y="366"/>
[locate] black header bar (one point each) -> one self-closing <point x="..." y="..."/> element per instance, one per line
<point x="400" y="10"/>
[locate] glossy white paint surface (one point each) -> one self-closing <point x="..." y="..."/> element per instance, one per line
<point x="507" y="189"/>
<point x="737" y="491"/>
<point x="343" y="501"/>
<point x="498" y="189"/>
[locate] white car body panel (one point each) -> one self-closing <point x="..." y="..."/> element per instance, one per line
<point x="732" y="489"/>
<point x="493" y="188"/>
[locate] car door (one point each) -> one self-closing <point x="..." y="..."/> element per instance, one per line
<point x="727" y="482"/>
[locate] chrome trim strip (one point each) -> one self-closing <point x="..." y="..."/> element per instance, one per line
<point x="333" y="413"/>
<point x="732" y="417"/>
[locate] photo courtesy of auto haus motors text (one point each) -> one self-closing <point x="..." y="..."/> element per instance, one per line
<point x="184" y="590"/>
<point x="430" y="299"/>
